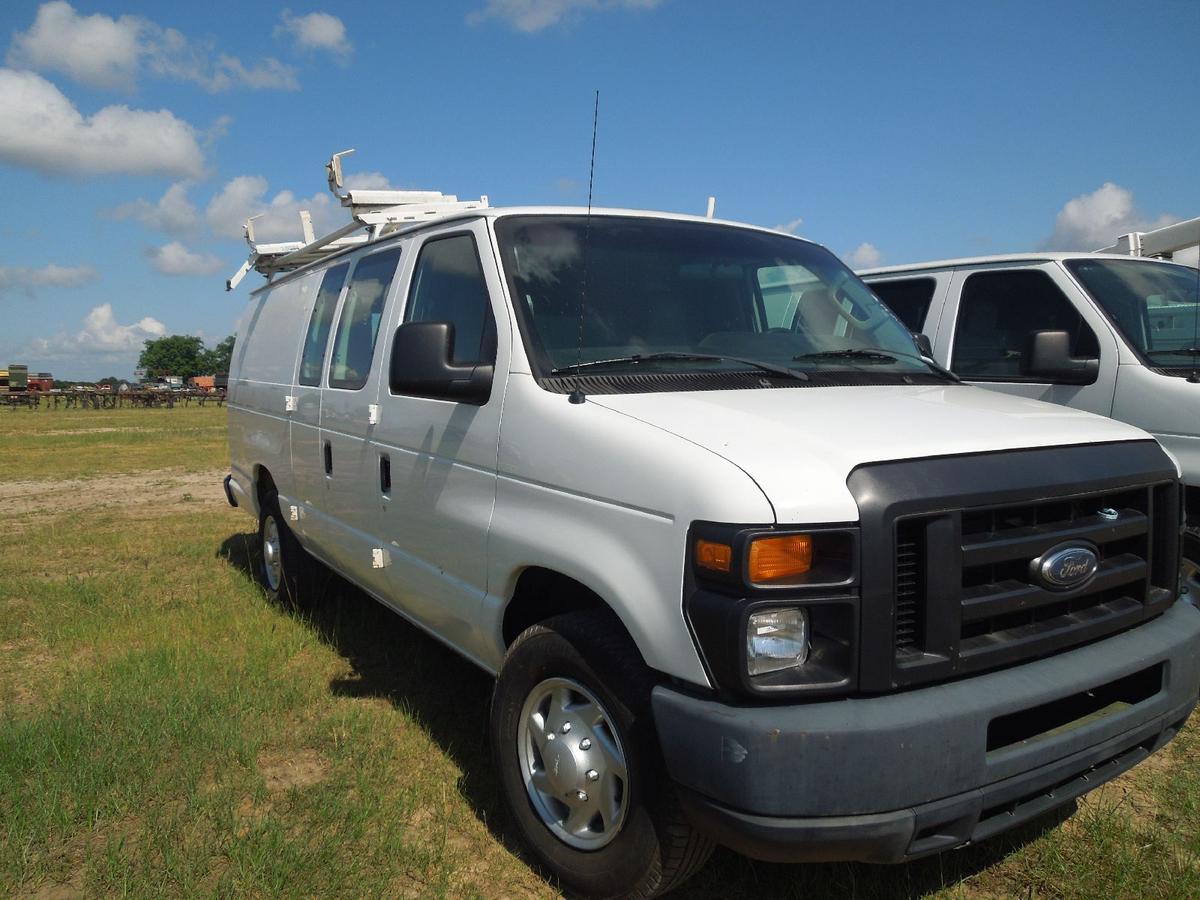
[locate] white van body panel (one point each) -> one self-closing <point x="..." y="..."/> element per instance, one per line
<point x="261" y="378"/>
<point x="774" y="435"/>
<point x="1167" y="407"/>
<point x="606" y="499"/>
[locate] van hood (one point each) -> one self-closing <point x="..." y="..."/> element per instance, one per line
<point x="801" y="444"/>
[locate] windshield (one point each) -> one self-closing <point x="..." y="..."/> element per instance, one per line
<point x="1153" y="304"/>
<point x="632" y="295"/>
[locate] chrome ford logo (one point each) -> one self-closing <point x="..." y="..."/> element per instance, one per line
<point x="1065" y="567"/>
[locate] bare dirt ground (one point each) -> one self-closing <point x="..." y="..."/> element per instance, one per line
<point x="54" y="497"/>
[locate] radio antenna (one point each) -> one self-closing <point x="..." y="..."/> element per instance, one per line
<point x="577" y="395"/>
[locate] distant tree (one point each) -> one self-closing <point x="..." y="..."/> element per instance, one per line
<point x="177" y="354"/>
<point x="111" y="379"/>
<point x="217" y="359"/>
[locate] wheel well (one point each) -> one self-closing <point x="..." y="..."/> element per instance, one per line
<point x="264" y="484"/>
<point x="543" y="593"/>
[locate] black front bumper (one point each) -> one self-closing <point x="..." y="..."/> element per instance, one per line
<point x="896" y="777"/>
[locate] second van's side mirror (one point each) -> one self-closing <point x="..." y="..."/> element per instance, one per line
<point x="924" y="345"/>
<point x="1048" y="356"/>
<point x="422" y="366"/>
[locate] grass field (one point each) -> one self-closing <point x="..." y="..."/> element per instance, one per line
<point x="164" y="730"/>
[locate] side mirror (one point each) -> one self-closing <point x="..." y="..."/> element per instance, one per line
<point x="1048" y="356"/>
<point x="924" y="345"/>
<point x="421" y="366"/>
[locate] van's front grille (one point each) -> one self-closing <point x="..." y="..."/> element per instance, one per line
<point x="965" y="593"/>
<point x="1003" y="611"/>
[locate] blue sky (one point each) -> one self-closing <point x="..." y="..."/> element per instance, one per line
<point x="135" y="136"/>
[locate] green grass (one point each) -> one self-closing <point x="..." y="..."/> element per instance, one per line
<point x="164" y="730"/>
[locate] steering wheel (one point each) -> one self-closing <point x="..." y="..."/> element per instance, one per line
<point x="869" y="324"/>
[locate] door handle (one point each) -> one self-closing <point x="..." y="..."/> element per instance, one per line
<point x="385" y="475"/>
<point x="328" y="458"/>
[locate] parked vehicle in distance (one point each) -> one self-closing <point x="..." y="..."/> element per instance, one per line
<point x="746" y="567"/>
<point x="1105" y="333"/>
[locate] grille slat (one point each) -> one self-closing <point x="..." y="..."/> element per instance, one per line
<point x="1027" y="542"/>
<point x="988" y="600"/>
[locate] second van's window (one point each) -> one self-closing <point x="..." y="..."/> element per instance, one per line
<point x="998" y="313"/>
<point x="448" y="286"/>
<point x="358" y="327"/>
<point x="318" y="324"/>
<point x="908" y="298"/>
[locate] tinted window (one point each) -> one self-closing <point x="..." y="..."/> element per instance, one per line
<point x="1156" y="306"/>
<point x="998" y="313"/>
<point x="909" y="299"/>
<point x="611" y="291"/>
<point x="448" y="286"/>
<point x="358" y="327"/>
<point x="318" y="324"/>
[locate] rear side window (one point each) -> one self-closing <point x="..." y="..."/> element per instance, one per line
<point x="908" y="298"/>
<point x="358" y="327"/>
<point x="318" y="324"/>
<point x="448" y="286"/>
<point x="998" y="313"/>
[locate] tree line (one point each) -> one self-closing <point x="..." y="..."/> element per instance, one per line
<point x="185" y="355"/>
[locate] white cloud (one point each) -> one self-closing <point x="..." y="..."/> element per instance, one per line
<point x="95" y="50"/>
<point x="24" y="280"/>
<point x="103" y="52"/>
<point x="534" y="15"/>
<point x="1095" y="220"/>
<point x="790" y="227"/>
<point x="101" y="335"/>
<point x="176" y="259"/>
<point x="864" y="256"/>
<point x="316" y="31"/>
<point x="246" y="196"/>
<point x="173" y="213"/>
<point x="41" y="129"/>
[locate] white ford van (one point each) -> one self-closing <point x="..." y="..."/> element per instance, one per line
<point x="1104" y="333"/>
<point x="746" y="567"/>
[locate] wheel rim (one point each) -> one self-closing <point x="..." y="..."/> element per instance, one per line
<point x="573" y="764"/>
<point x="272" y="557"/>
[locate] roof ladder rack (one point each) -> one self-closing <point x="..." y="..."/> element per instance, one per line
<point x="379" y="213"/>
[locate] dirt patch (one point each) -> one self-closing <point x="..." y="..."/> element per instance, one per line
<point x="166" y="488"/>
<point x="302" y="769"/>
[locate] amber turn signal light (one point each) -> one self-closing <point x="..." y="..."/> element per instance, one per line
<point x="714" y="556"/>
<point x="778" y="559"/>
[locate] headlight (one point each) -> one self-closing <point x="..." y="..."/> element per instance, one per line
<point x="776" y="640"/>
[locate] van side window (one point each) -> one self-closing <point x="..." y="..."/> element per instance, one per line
<point x="358" y="327"/>
<point x="998" y="312"/>
<point x="908" y="298"/>
<point x="448" y="286"/>
<point x="318" y="324"/>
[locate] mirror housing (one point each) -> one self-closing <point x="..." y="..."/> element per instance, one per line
<point x="421" y="366"/>
<point x="1048" y="356"/>
<point x="924" y="345"/>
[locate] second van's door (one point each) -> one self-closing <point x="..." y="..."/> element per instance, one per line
<point x="350" y="391"/>
<point x="434" y="459"/>
<point x="990" y="316"/>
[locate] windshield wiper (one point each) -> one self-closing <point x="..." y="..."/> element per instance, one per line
<point x="638" y="358"/>
<point x="867" y="355"/>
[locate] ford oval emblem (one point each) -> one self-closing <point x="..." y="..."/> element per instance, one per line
<point x="1065" y="567"/>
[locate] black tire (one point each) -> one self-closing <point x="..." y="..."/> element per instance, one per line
<point x="290" y="584"/>
<point x="655" y="849"/>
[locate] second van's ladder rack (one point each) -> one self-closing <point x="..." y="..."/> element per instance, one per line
<point x="379" y="212"/>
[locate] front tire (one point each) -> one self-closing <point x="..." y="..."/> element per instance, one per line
<point x="579" y="766"/>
